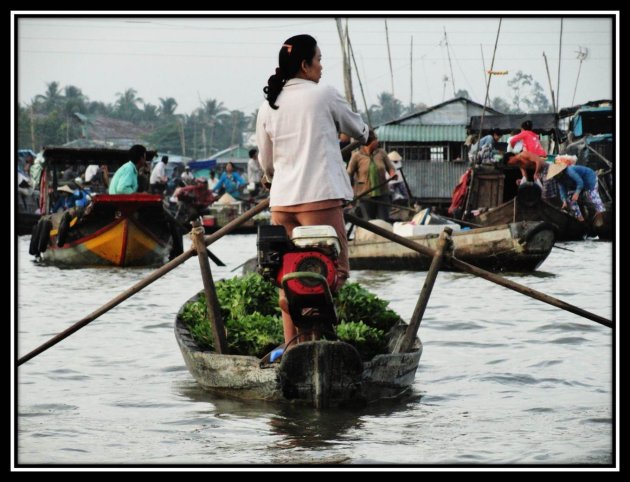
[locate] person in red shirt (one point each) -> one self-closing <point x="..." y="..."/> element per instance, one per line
<point x="531" y="141"/>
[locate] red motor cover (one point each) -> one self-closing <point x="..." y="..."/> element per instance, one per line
<point x="313" y="261"/>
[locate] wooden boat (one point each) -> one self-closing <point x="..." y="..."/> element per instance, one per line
<point x="490" y="185"/>
<point x="198" y="203"/>
<point x="318" y="373"/>
<point x="519" y="246"/>
<point x="493" y="189"/>
<point x="113" y="230"/>
<point x="218" y="215"/>
<point x="528" y="206"/>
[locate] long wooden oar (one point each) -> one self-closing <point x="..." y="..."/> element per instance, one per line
<point x="158" y="273"/>
<point x="469" y="268"/>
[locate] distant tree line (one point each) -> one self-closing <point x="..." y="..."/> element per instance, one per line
<point x="50" y="120"/>
<point x="50" y="117"/>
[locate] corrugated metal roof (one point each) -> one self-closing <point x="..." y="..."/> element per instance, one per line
<point x="421" y="133"/>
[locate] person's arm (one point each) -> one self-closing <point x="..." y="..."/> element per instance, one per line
<point x="563" y="193"/>
<point x="391" y="169"/>
<point x="128" y="181"/>
<point x="579" y="182"/>
<point x="239" y="179"/>
<point x="133" y="184"/>
<point x="221" y="182"/>
<point x="353" y="164"/>
<point x="348" y="122"/>
<point x="518" y="137"/>
<point x="264" y="143"/>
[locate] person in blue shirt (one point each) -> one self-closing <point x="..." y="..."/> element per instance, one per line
<point x="81" y="195"/>
<point x="65" y="199"/>
<point x="125" y="180"/>
<point x="71" y="196"/>
<point x="485" y="149"/>
<point x="231" y="181"/>
<point x="573" y="182"/>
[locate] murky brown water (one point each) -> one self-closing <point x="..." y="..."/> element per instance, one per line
<point x="503" y="379"/>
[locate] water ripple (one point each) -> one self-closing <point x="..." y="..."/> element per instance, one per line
<point x="570" y="340"/>
<point x="490" y="388"/>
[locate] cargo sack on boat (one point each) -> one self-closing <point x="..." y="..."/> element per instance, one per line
<point x="226" y="199"/>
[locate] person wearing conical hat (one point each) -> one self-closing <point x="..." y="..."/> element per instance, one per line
<point x="573" y="182"/>
<point x="396" y="185"/>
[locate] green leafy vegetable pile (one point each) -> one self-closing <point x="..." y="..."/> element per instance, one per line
<point x="250" y="312"/>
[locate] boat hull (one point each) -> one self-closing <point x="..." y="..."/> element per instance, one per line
<point x="119" y="230"/>
<point x="510" y="247"/>
<point x="318" y="373"/>
<point x="566" y="227"/>
<point x="122" y="243"/>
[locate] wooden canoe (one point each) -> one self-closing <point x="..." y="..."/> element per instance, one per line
<point x="510" y="247"/>
<point x="118" y="230"/>
<point x="317" y="373"/>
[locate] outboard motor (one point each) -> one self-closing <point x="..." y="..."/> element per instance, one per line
<point x="305" y="267"/>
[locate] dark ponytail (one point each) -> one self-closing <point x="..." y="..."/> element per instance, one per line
<point x="292" y="53"/>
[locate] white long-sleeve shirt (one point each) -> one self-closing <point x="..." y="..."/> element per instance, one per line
<point x="299" y="146"/>
<point x="158" y="174"/>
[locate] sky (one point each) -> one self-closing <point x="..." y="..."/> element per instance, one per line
<point x="229" y="59"/>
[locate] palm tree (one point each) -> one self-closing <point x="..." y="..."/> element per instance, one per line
<point x="211" y="113"/>
<point x="239" y="124"/>
<point x="74" y="101"/>
<point x="252" y="120"/>
<point x="150" y="113"/>
<point x="167" y="106"/>
<point x="126" y="105"/>
<point x="100" y="108"/>
<point x="50" y="100"/>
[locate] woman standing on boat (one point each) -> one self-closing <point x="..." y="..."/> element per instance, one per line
<point x="231" y="181"/>
<point x="297" y="134"/>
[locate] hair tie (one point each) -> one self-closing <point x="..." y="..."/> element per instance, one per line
<point x="289" y="47"/>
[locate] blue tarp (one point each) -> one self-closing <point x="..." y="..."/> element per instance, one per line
<point x="204" y="164"/>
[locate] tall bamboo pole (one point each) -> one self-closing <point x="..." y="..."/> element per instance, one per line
<point x="389" y="55"/>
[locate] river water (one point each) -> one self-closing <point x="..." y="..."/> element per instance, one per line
<point x="503" y="380"/>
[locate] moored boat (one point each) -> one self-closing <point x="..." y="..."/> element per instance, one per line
<point x="515" y="247"/>
<point x="486" y="187"/>
<point x="112" y="230"/>
<point x="218" y="215"/>
<point x="528" y="206"/>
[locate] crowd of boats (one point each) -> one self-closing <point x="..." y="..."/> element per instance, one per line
<point x="142" y="229"/>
